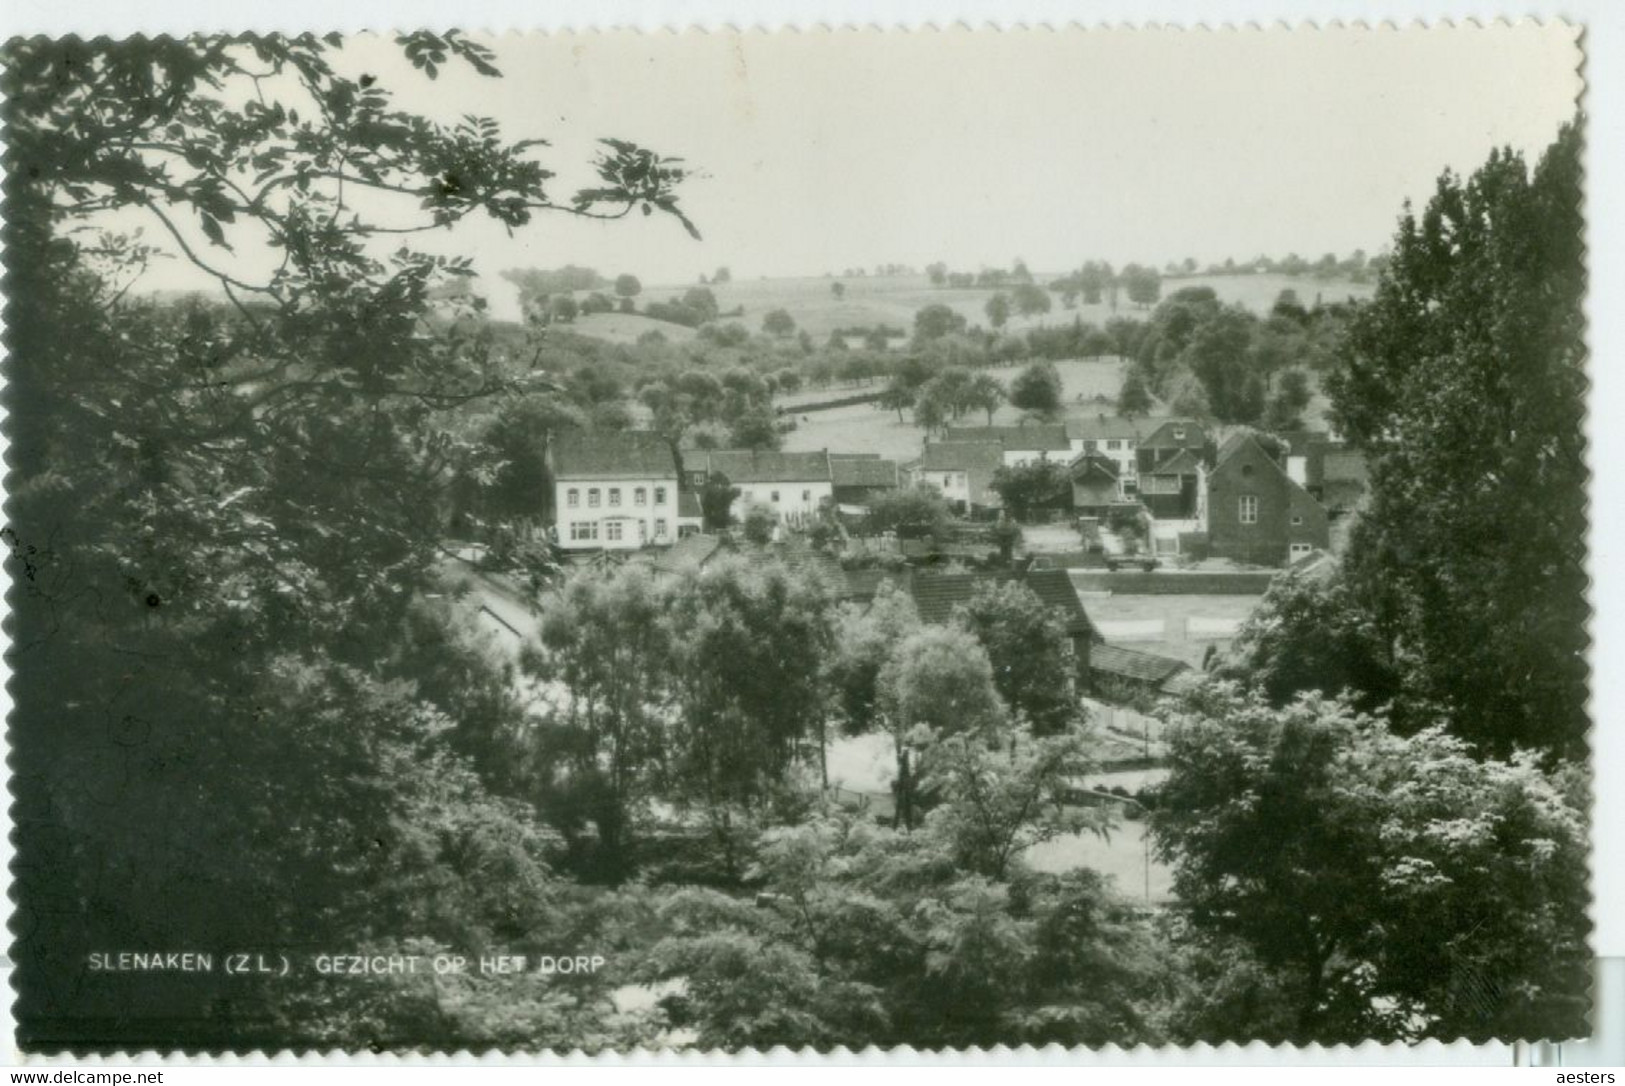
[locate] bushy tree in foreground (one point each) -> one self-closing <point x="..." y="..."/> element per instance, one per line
<point x="1379" y="886"/>
<point x="225" y="510"/>
<point x="864" y="935"/>
<point x="1463" y="381"/>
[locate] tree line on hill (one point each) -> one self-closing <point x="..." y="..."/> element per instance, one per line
<point x="251" y="710"/>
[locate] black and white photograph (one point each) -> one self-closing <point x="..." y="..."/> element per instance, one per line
<point x="700" y="542"/>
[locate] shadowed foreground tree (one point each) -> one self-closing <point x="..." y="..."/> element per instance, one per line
<point x="223" y="511"/>
<point x="1383" y="887"/>
<point x="1463" y="381"/>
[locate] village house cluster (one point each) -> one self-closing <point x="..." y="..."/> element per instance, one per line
<point x="1251" y="498"/>
<point x="1254" y="499"/>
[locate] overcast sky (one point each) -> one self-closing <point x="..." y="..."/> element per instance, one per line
<point x="825" y="150"/>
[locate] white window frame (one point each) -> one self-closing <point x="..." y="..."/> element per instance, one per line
<point x="1247" y="509"/>
<point x="614" y="496"/>
<point x="774" y="496"/>
<point x="613" y="532"/>
<point x="572" y="497"/>
<point x="1297" y="519"/>
<point x="640" y="496"/>
<point x="660" y="495"/>
<point x="660" y="527"/>
<point x="594" y="497"/>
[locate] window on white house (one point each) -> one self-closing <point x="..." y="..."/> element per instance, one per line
<point x="1297" y="519"/>
<point x="775" y="497"/>
<point x="1179" y="434"/>
<point x="660" y="527"/>
<point x="615" y="495"/>
<point x="592" y="497"/>
<point x="612" y="530"/>
<point x="583" y="530"/>
<point x="660" y="495"/>
<point x="572" y="497"/>
<point x="1114" y="444"/>
<point x="1249" y="509"/>
<point x="806" y="495"/>
<point x="640" y="496"/>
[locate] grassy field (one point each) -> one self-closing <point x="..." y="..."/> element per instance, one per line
<point x="627" y="327"/>
<point x="894" y="300"/>
<point x="865" y="428"/>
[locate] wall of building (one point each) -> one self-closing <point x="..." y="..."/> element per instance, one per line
<point x="1286" y="514"/>
<point x="617" y="521"/>
<point x="789" y="500"/>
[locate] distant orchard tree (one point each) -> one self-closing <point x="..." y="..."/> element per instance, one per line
<point x="778" y="322"/>
<point x="935" y="321"/>
<point x="1037" y="389"/>
<point x="1143" y="285"/>
<point x="723" y="275"/>
<point x="938" y="273"/>
<point x="838" y="289"/>
<point x="1093" y="279"/>
<point x="984" y="393"/>
<point x="564" y="309"/>
<point x="702" y="302"/>
<point x="898" y="396"/>
<point x="788" y="381"/>
<point x="755" y="429"/>
<point x="1030" y="299"/>
<point x="998" y="309"/>
<point x="628" y="286"/>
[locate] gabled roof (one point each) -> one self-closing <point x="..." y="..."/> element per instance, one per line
<point x="1135" y="666"/>
<point x="1107" y="427"/>
<point x="962" y="456"/>
<point x="863" y="471"/>
<point x="1034" y="438"/>
<point x="1088" y="464"/>
<point x="610" y="454"/>
<point x="761" y="466"/>
<point x="814" y="564"/>
<point x="979" y="460"/>
<point x="1184" y="462"/>
<point x="689" y="554"/>
<point x="1163" y="436"/>
<point x="937" y="594"/>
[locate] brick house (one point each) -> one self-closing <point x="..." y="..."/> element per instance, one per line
<point x="613" y="490"/>
<point x="1256" y="513"/>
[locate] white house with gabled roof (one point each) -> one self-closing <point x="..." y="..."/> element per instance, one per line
<point x="613" y="490"/>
